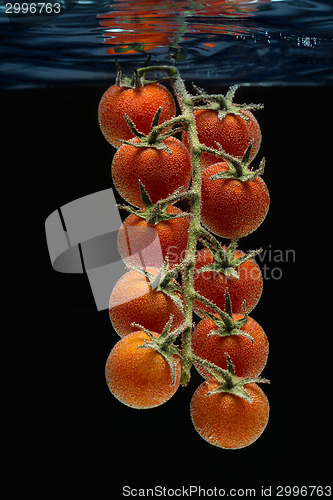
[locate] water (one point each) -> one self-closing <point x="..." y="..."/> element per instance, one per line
<point x="277" y="42"/>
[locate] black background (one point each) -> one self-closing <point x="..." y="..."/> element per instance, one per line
<point x="71" y="431"/>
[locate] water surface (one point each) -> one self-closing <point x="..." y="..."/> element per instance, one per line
<point x="275" y="42"/>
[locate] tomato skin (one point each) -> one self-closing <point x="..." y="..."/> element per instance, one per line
<point x="135" y="233"/>
<point x="140" y="105"/>
<point x="140" y="378"/>
<point x="133" y="300"/>
<point x="212" y="285"/>
<point x="249" y="359"/>
<point x="229" y="207"/>
<point x="226" y="420"/>
<point x="233" y="132"/>
<point x="161" y="173"/>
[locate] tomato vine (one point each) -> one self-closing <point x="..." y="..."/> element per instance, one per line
<point x="235" y="170"/>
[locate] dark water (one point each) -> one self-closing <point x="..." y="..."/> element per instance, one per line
<point x="273" y="42"/>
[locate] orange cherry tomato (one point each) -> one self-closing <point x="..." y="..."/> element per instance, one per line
<point x="249" y="358"/>
<point x="212" y="284"/>
<point x="140" y="377"/>
<point x="134" y="301"/>
<point x="226" y="420"/>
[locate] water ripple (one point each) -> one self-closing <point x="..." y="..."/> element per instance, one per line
<point x="243" y="41"/>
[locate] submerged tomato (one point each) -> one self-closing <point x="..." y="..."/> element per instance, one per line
<point x="233" y="132"/>
<point x="140" y="377"/>
<point x="160" y="172"/>
<point x="140" y="105"/>
<point x="226" y="420"/>
<point x="141" y="244"/>
<point x="213" y="284"/>
<point x="134" y="301"/>
<point x="232" y="208"/>
<point x="249" y="358"/>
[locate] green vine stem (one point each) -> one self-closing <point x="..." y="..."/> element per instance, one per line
<point x="195" y="230"/>
<point x="237" y="169"/>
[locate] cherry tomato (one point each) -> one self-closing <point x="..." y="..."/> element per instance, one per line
<point x="212" y="285"/>
<point x="249" y="358"/>
<point x="141" y="244"/>
<point x="226" y="420"/>
<point x="134" y="301"/>
<point x="160" y="172"/>
<point x="233" y="132"/>
<point x="140" y="377"/>
<point x="140" y="105"/>
<point x="232" y="208"/>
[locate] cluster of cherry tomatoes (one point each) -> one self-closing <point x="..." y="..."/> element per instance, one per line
<point x="153" y="169"/>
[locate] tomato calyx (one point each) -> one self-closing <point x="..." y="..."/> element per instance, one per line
<point x="135" y="82"/>
<point x="157" y="134"/>
<point x="164" y="282"/>
<point x="228" y="381"/>
<point x="124" y="81"/>
<point x="163" y="344"/>
<point x="223" y="104"/>
<point x="224" y="258"/>
<point x="237" y="169"/>
<point x="224" y="321"/>
<point x="155" y="213"/>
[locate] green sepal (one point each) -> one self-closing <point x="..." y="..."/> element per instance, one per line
<point x="166" y="355"/>
<point x="154" y="213"/>
<point x="228" y="381"/>
<point x="137" y="80"/>
<point x="145" y="197"/>
<point x="238" y="169"/>
<point x="144" y="140"/>
<point x="224" y="258"/>
<point x="157" y="135"/>
<point x="229" y="272"/>
<point x="225" y="323"/>
<point x="223" y="104"/>
<point x="164" y="282"/>
<point x="237" y="391"/>
<point x="121" y="79"/>
<point x="139" y="135"/>
<point x="163" y="344"/>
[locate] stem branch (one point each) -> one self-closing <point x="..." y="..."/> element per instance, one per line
<point x="195" y="230"/>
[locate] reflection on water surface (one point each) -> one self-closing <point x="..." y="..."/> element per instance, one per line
<point x="234" y="41"/>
